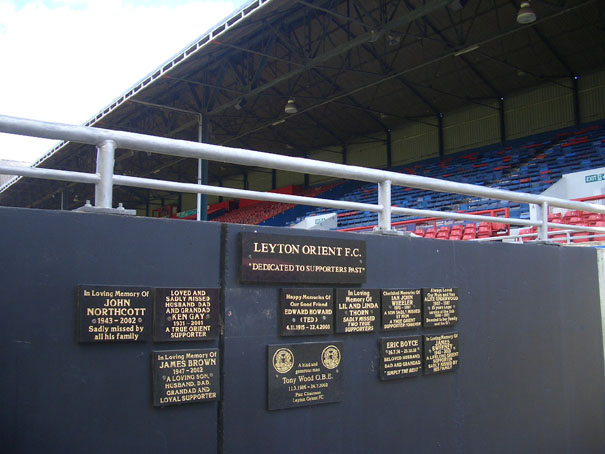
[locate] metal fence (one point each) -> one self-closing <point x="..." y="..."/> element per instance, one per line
<point x="107" y="141"/>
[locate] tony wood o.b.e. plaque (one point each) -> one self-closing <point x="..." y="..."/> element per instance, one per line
<point x="304" y="374"/>
<point x="113" y="313"/>
<point x="185" y="314"/>
<point x="441" y="353"/>
<point x="306" y="311"/>
<point x="400" y="357"/>
<point x="297" y="259"/>
<point x="357" y="310"/>
<point x="401" y="309"/>
<point x="185" y="376"/>
<point x="440" y="307"/>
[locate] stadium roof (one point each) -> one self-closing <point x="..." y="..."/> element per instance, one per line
<point x="352" y="67"/>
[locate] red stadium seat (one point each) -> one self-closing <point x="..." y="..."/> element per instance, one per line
<point x="580" y="237"/>
<point x="528" y="231"/>
<point x="443" y="233"/>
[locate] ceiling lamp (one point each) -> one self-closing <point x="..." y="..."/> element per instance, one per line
<point x="526" y="15"/>
<point x="291" y="107"/>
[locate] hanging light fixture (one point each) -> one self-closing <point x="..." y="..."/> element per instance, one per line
<point x="526" y="15"/>
<point x="291" y="107"/>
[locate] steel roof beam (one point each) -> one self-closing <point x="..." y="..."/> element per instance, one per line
<point x="548" y="45"/>
<point x="414" y="15"/>
<point x="389" y="71"/>
<point x="464" y="59"/>
<point x="554" y="52"/>
<point x="332" y="13"/>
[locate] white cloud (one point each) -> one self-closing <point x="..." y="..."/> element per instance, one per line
<point x="66" y="62"/>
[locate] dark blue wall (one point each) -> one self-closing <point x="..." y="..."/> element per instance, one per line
<point x="531" y="361"/>
<point x="59" y="396"/>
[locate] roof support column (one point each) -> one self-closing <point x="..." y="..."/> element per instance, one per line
<point x="202" y="171"/>
<point x="576" y="100"/>
<point x="440" y="126"/>
<point x="64" y="199"/>
<point x="147" y="196"/>
<point x="389" y="151"/>
<point x="502" y="121"/>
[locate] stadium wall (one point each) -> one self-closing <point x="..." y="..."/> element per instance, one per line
<point x="530" y="377"/>
<point x="415" y="142"/>
<point x="544" y="108"/>
<point x="592" y="96"/>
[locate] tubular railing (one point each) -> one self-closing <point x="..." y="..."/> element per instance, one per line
<point x="107" y="141"/>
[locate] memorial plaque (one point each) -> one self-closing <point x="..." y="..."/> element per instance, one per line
<point x="440" y="307"/>
<point x="304" y="374"/>
<point x="297" y="259"/>
<point x="400" y="357"/>
<point x="185" y="314"/>
<point x="357" y="310"/>
<point x="306" y="311"/>
<point x="185" y="376"/>
<point x="401" y="309"/>
<point x="440" y="353"/>
<point x="113" y="313"/>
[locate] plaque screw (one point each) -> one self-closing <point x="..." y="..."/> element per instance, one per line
<point x="164" y="377"/>
<point x="94" y="320"/>
<point x="140" y="320"/>
<point x="229" y="313"/>
<point x="323" y="318"/>
<point x="276" y="376"/>
<point x="169" y="319"/>
<point x="207" y="316"/>
<point x="293" y="320"/>
<point x="211" y="374"/>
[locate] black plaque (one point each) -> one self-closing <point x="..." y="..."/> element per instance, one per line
<point x="400" y="357"/>
<point x="304" y="374"/>
<point x="185" y="314"/>
<point x="185" y="376"/>
<point x="297" y="259"/>
<point x="306" y="311"/>
<point x="440" y="307"/>
<point x="401" y="309"/>
<point x="440" y="353"/>
<point x="113" y="313"/>
<point x="357" y="310"/>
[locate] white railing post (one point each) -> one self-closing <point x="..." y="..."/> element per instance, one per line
<point x="105" y="162"/>
<point x="384" y="199"/>
<point x="543" y="227"/>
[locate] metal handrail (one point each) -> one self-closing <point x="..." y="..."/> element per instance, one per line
<point x="104" y="179"/>
<point x="531" y="237"/>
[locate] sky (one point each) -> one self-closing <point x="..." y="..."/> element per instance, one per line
<point x="65" y="60"/>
